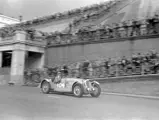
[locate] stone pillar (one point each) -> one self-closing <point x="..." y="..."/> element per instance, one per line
<point x="20" y="36"/>
<point x="17" y="67"/>
<point x="42" y="61"/>
<point x="1" y="58"/>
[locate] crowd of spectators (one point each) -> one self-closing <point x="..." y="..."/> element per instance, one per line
<point x="138" y="64"/>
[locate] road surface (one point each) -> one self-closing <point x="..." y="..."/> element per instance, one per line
<point x="27" y="103"/>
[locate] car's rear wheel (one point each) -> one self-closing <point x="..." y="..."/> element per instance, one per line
<point x="78" y="90"/>
<point x="97" y="91"/>
<point x="45" y="87"/>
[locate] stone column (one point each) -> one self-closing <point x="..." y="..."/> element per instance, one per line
<point x="1" y="58"/>
<point x="20" y="36"/>
<point x="42" y="61"/>
<point x="18" y="60"/>
<point x="17" y="67"/>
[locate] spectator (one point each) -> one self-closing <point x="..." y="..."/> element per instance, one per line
<point x="153" y="54"/>
<point x="138" y="26"/>
<point x="150" y="25"/>
<point x="155" y="23"/>
<point x="65" y="70"/>
<point x="130" y="27"/>
<point x="125" y="25"/>
<point x="135" y="28"/>
<point x="85" y="68"/>
<point x="107" y="66"/>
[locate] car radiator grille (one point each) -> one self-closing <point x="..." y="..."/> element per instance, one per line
<point x="88" y="84"/>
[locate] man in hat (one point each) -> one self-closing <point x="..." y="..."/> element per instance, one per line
<point x="65" y="70"/>
<point x="58" y="77"/>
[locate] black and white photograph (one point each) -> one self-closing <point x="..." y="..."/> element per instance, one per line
<point x="79" y="59"/>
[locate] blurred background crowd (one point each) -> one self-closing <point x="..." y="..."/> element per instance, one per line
<point x="138" y="64"/>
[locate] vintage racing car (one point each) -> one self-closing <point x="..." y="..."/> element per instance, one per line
<point x="77" y="86"/>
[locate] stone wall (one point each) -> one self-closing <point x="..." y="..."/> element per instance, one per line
<point x="66" y="54"/>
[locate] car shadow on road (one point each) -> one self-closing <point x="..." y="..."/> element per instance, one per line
<point x="69" y="94"/>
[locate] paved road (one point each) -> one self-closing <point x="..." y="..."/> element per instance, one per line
<point x="27" y="103"/>
<point x="148" y="88"/>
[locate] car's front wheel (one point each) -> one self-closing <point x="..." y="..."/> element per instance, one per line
<point x="45" y="87"/>
<point x="78" y="90"/>
<point x="97" y="91"/>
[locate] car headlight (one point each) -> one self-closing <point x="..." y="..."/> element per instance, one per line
<point x="87" y="83"/>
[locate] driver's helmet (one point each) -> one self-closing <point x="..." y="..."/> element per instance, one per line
<point x="62" y="71"/>
<point x="59" y="73"/>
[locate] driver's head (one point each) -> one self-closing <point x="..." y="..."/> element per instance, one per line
<point x="62" y="72"/>
<point x="58" y="73"/>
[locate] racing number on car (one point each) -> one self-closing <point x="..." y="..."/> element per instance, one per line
<point x="66" y="83"/>
<point x="61" y="85"/>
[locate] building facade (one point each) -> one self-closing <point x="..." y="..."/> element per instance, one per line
<point x="18" y="53"/>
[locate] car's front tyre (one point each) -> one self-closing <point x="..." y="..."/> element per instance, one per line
<point x="45" y="87"/>
<point x="97" y="91"/>
<point x="78" y="90"/>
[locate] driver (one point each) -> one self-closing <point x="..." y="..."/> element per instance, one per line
<point x="58" y="77"/>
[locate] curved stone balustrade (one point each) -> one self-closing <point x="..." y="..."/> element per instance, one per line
<point x="22" y="37"/>
<point x="105" y="34"/>
<point x="7" y="38"/>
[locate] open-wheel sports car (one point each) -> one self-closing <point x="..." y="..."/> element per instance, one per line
<point x="77" y="86"/>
